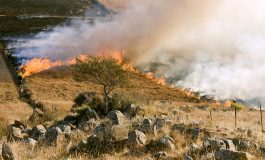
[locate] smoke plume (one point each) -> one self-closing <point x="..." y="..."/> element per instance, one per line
<point x="213" y="46"/>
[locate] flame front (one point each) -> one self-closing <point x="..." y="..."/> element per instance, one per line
<point x="37" y="65"/>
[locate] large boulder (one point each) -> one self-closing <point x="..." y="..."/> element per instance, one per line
<point x="7" y="152"/>
<point x="38" y="132"/>
<point x="136" y="139"/>
<point x="116" y="117"/>
<point x="226" y="154"/>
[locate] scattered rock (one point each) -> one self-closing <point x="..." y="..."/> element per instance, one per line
<point x="188" y="158"/>
<point x="262" y="150"/>
<point x="148" y="127"/>
<point x="87" y="126"/>
<point x="116" y="117"/>
<point x="226" y="154"/>
<point x="167" y="143"/>
<point x="136" y="139"/>
<point x="162" y="121"/>
<point x="244" y="145"/>
<point x="20" y="125"/>
<point x="136" y="153"/>
<point x="37" y="113"/>
<point x="102" y="131"/>
<point x="195" y="133"/>
<point x="31" y="142"/>
<point x="160" y="155"/>
<point x="132" y="110"/>
<point x="212" y="144"/>
<point x="38" y="132"/>
<point x="229" y="144"/>
<point x="54" y="136"/>
<point x="7" y="152"/>
<point x="92" y="114"/>
<point x="14" y="134"/>
<point x="181" y="119"/>
<point x="119" y="132"/>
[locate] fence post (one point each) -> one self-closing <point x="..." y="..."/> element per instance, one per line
<point x="261" y="118"/>
<point x="235" y="118"/>
<point x="211" y="116"/>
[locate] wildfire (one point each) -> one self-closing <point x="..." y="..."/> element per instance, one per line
<point x="37" y="65"/>
<point x="160" y="81"/>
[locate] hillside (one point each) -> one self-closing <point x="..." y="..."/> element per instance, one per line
<point x="21" y="17"/>
<point x="10" y="106"/>
<point x="57" y="88"/>
<point x="43" y="7"/>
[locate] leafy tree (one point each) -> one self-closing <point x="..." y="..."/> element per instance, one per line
<point x="105" y="71"/>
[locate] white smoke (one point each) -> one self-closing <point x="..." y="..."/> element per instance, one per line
<point x="214" y="46"/>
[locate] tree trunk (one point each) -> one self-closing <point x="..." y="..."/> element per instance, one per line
<point x="106" y="95"/>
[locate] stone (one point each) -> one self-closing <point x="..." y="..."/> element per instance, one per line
<point x="229" y="144"/>
<point x="102" y="131"/>
<point x="226" y="154"/>
<point x="119" y="132"/>
<point x="181" y="119"/>
<point x="160" y="155"/>
<point x="7" y="152"/>
<point x="38" y="132"/>
<point x="14" y="134"/>
<point x="20" y="125"/>
<point x="194" y="150"/>
<point x="54" y="136"/>
<point x="262" y="150"/>
<point x="212" y="144"/>
<point x="132" y="110"/>
<point x="148" y="127"/>
<point x="116" y="117"/>
<point x="92" y="114"/>
<point x="136" y="139"/>
<point x="188" y="158"/>
<point x="162" y="121"/>
<point x="37" y="113"/>
<point x="195" y="132"/>
<point x="136" y="153"/>
<point x="31" y="142"/>
<point x="87" y="126"/>
<point x="179" y="128"/>
<point x="167" y="143"/>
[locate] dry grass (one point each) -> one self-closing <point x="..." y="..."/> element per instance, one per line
<point x="59" y="85"/>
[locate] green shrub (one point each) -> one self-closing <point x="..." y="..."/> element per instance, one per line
<point x="238" y="106"/>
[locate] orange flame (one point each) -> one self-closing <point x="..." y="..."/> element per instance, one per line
<point x="160" y="81"/>
<point x="37" y="65"/>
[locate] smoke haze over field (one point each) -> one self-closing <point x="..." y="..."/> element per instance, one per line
<point x="214" y="46"/>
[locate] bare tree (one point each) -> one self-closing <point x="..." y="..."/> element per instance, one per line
<point x="105" y="71"/>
